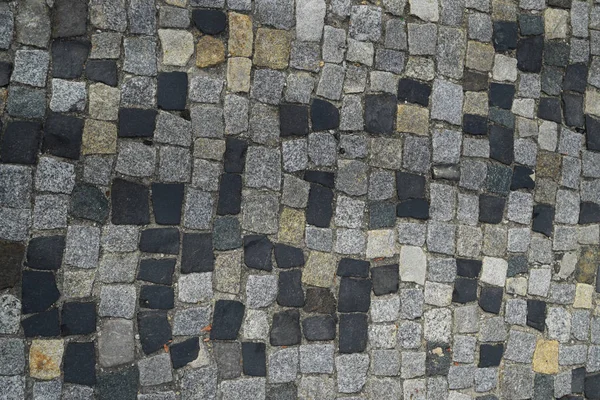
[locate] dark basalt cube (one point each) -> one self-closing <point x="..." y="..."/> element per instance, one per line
<point x="410" y="186"/>
<point x="576" y="78"/>
<point x="89" y="202"/>
<point x="465" y="290"/>
<point x="468" y="268"/>
<point x="136" y="122"/>
<point x="501" y="95"/>
<point x="490" y="355"/>
<point x="293" y="120"/>
<point x="505" y="35"/>
<point x="211" y="22"/>
<point x="502" y="117"/>
<point x="154" y="330"/>
<point x="529" y="54"/>
<point x="319" y="209"/>
<point x="589" y="213"/>
<point x="353" y="333"/>
<point x="592" y="133"/>
<point x="104" y="71"/>
<point x="227" y="320"/>
<point x="157" y="297"/>
<point x="166" y="202"/>
<point x="129" y="203"/>
<point x="413" y="208"/>
<point x="172" y="90"/>
<point x="324" y="178"/>
<point x="386" y="279"/>
<point x="11" y="259"/>
<point x="517" y="265"/>
<point x="230" y="194"/>
<point x="319" y="300"/>
<point x="69" y="18"/>
<point x="438" y="359"/>
<point x="320" y="327"/>
<point x="257" y="252"/>
<point x="62" y="136"/>
<point x="235" y="155"/>
<point x="531" y="24"/>
<point x="285" y="330"/>
<point x="543" y="218"/>
<point x="197" y="254"/>
<point x="157" y="271"/>
<point x="536" y="314"/>
<point x="578" y="380"/>
<point x="324" y="115"/>
<point x="160" y="240"/>
<point x="288" y="256"/>
<point x="228" y="357"/>
<point x="501" y="144"/>
<point x="353" y="268"/>
<point x="556" y="53"/>
<point x="498" y="179"/>
<point x="78" y="318"/>
<point x="21" y="142"/>
<point x="45" y="252"/>
<point x="475" y="124"/>
<point x="39" y="291"/>
<point x="5" y="73"/>
<point x="227" y="233"/>
<point x="254" y="359"/>
<point x="380" y="112"/>
<point x="522" y="178"/>
<point x="414" y="91"/>
<point x="354" y="295"/>
<point x="592" y="386"/>
<point x="475" y="81"/>
<point x="290" y="292"/>
<point x="45" y="324"/>
<point x="121" y="384"/>
<point x="185" y="352"/>
<point x="490" y="299"/>
<point x="79" y="363"/>
<point x="549" y="109"/>
<point x="573" y="109"/>
<point x="382" y="214"/>
<point x="491" y="208"/>
<point x="68" y="58"/>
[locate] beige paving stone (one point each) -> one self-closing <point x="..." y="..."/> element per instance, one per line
<point x="480" y="56"/>
<point x="210" y="51"/>
<point x="319" y="269"/>
<point x="381" y="243"/>
<point x="545" y="357"/>
<point x="177" y="46"/>
<point x="272" y="48"/>
<point x="99" y="137"/>
<point x="291" y="226"/>
<point x="104" y="102"/>
<point x="210" y="149"/>
<point x="240" y="35"/>
<point x="238" y="74"/>
<point x="412" y="119"/>
<point x="476" y="103"/>
<point x="228" y="270"/>
<point x="555" y="23"/>
<point x="584" y="295"/>
<point x="592" y="101"/>
<point x="45" y="358"/>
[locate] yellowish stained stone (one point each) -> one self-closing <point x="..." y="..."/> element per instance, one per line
<point x="592" y="102"/>
<point x="104" y="102"/>
<point x="480" y="56"/>
<point x="228" y="269"/>
<point x="545" y="357"/>
<point x="584" y="294"/>
<point x="240" y="35"/>
<point x="381" y="243"/>
<point x="272" y="48"/>
<point x="45" y="357"/>
<point x="291" y="226"/>
<point x="209" y="51"/>
<point x="238" y="74"/>
<point x="412" y="119"/>
<point x="211" y="149"/>
<point x="99" y="137"/>
<point x="319" y="269"/>
<point x="476" y="103"/>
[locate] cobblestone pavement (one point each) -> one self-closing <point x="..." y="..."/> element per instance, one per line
<point x="299" y="199"/>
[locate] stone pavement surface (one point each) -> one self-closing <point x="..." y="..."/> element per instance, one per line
<point x="299" y="199"/>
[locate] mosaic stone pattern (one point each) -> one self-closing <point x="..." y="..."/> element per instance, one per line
<point x="299" y="199"/>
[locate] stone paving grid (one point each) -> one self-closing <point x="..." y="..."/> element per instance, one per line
<point x="279" y="199"/>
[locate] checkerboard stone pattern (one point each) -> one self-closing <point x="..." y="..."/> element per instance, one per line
<point x="299" y="199"/>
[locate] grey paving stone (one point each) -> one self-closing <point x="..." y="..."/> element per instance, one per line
<point x="195" y="287"/>
<point x="260" y="211"/>
<point x="13" y="387"/>
<point x="351" y="114"/>
<point x="235" y="113"/>
<point x="277" y="14"/>
<point x="451" y="51"/>
<point x="140" y="55"/>
<point x="464" y="349"/>
<point x="416" y="155"/>
<point x="136" y="159"/>
<point x="191" y="321"/>
<point x="352" y="177"/>
<point x="207" y="121"/>
<point x="299" y="87"/>
<point x="264" y="124"/>
<point x="117" y="301"/>
<point x="47" y="390"/>
<point x="172" y="129"/>
<point x="117" y="267"/>
<point x="283" y="365"/>
<point x="263" y="168"/>
<point x="395" y="34"/>
<point x="12" y="356"/>
<point x="30" y="66"/>
<point x="316" y="358"/>
<point x="334" y="43"/>
<point x="116" y="344"/>
<point x="351" y="372"/>
<point x="365" y="23"/>
<point x="139" y="91"/>
<point x="422" y="39"/>
<point x="267" y="86"/>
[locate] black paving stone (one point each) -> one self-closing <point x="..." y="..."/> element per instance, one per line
<point x="578" y="380"/>
<point x="413" y="208"/>
<point x="79" y="363"/>
<point x="354" y="295"/>
<point x="490" y="355"/>
<point x="285" y="330"/>
<point x="531" y="24"/>
<point x="410" y="186"/>
<point x="324" y="178"/>
<point x="592" y="386"/>
<point x="69" y="18"/>
<point x="154" y="330"/>
<point x="11" y="258"/>
<point x="288" y="256"/>
<point x="157" y="297"/>
<point x="62" y="136"/>
<point x="319" y="209"/>
<point x="517" y="265"/>
<point x="501" y="144"/>
<point x="121" y="384"/>
<point x="78" y="318"/>
<point x="160" y="240"/>
<point x="254" y="359"/>
<point x="491" y="208"/>
<point x="324" y="115"/>
<point x="185" y="352"/>
<point x="576" y="78"/>
<point x="498" y="179"/>
<point x="197" y="254"/>
<point x="592" y="135"/>
<point x="474" y="81"/>
<point x="501" y="95"/>
<point x="39" y="291"/>
<point x="551" y="80"/>
<point x="293" y="120"/>
<point x="556" y="53"/>
<point x="230" y="194"/>
<point x="228" y="357"/>
<point x="386" y="279"/>
<point x="172" y="90"/>
<point x="44" y="324"/>
<point x="89" y="202"/>
<point x="104" y="71"/>
<point x="505" y="35"/>
<point x="502" y="117"/>
<point x="380" y="112"/>
<point x="21" y="142"/>
<point x="319" y="327"/>
<point x="211" y="22"/>
<point x="549" y="109"/>
<point x="560" y="3"/>
<point x="136" y="122"/>
<point x="353" y="268"/>
<point x="235" y="155"/>
<point x="522" y="178"/>
<point x="227" y="233"/>
<point x="5" y="72"/>
<point x="382" y="214"/>
<point x="465" y="290"/>
<point x="68" y="58"/>
<point x="438" y="359"/>
<point x="475" y="124"/>
<point x="227" y="320"/>
<point x="353" y="333"/>
<point x="543" y="387"/>
<point x="490" y="299"/>
<point x="257" y="252"/>
<point x="45" y="252"/>
<point x="157" y="270"/>
<point x="319" y="300"/>
<point x="166" y="202"/>
<point x="414" y="91"/>
<point x="129" y="203"/>
<point x="468" y="268"/>
<point x="536" y="314"/>
<point x="529" y="53"/>
<point x="290" y="292"/>
<point x="589" y="213"/>
<point x="543" y="218"/>
<point x="573" y="109"/>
